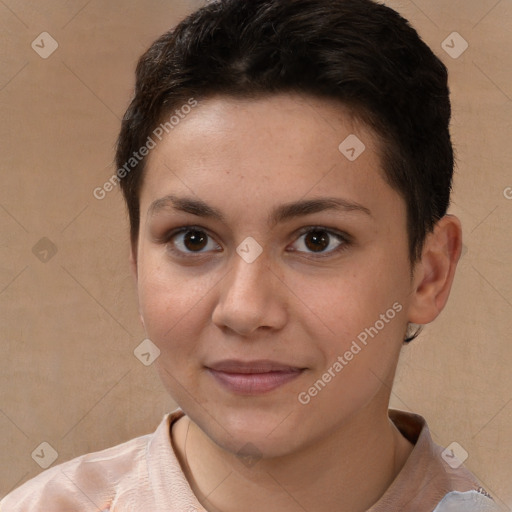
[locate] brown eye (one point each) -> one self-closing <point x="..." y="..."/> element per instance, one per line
<point x="317" y="241"/>
<point x="195" y="240"/>
<point x="322" y="241"/>
<point x="187" y="241"/>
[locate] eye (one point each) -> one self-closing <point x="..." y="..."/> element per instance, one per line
<point x="317" y="240"/>
<point x="190" y="240"/>
<point x="322" y="241"/>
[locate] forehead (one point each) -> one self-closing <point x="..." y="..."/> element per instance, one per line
<point x="261" y="151"/>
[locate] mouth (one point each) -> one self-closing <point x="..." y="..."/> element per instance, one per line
<point x="252" y="377"/>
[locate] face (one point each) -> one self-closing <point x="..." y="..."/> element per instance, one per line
<point x="272" y="270"/>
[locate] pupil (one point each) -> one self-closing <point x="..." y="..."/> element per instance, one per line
<point x="317" y="237"/>
<point x="195" y="240"/>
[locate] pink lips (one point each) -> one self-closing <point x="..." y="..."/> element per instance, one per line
<point x="252" y="377"/>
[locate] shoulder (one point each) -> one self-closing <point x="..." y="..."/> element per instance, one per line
<point x="432" y="472"/>
<point x="471" y="501"/>
<point x="83" y="482"/>
<point x="89" y="482"/>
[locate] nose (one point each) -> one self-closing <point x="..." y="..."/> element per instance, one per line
<point x="251" y="297"/>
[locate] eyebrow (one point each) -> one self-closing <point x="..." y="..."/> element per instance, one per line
<point x="281" y="213"/>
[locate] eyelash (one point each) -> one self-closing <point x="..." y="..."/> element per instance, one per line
<point x="341" y="237"/>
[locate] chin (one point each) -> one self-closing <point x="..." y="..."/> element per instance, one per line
<point x="250" y="432"/>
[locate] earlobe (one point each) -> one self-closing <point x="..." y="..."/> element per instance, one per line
<point x="434" y="274"/>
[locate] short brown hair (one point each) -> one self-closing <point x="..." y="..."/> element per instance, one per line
<point x="358" y="52"/>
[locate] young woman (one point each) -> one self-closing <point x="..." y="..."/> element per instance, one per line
<point x="287" y="168"/>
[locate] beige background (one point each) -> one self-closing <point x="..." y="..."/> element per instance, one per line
<point x="69" y="326"/>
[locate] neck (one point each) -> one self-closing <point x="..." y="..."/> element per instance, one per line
<point x="347" y="471"/>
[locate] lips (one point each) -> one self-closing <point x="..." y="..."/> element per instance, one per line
<point x="257" y="366"/>
<point x="252" y="377"/>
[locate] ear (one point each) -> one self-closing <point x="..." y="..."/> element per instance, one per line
<point x="433" y="275"/>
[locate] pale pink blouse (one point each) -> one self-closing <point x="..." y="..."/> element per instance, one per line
<point x="144" y="475"/>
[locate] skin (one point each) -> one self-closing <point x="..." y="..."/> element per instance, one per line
<point x="292" y="304"/>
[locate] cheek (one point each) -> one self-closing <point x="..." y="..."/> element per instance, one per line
<point x="167" y="310"/>
<point x="361" y="350"/>
<point x="362" y="315"/>
<point x="163" y="299"/>
<point x="349" y="302"/>
<point x="173" y="303"/>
